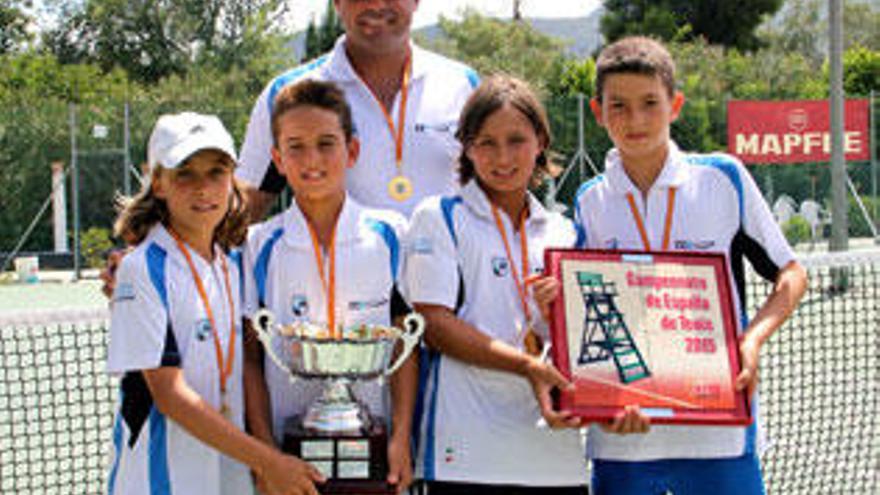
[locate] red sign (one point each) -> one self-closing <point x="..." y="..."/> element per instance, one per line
<point x="794" y="131"/>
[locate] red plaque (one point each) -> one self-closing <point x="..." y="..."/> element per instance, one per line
<point x="653" y="329"/>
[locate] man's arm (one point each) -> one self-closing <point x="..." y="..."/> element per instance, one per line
<point x="258" y="202"/>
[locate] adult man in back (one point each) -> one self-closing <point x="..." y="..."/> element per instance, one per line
<point x="405" y="103"/>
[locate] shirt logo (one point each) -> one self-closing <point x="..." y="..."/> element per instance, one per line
<point x="299" y="306"/>
<point x="687" y="245"/>
<point x="421" y="245"/>
<point x="436" y="127"/>
<point x="203" y="329"/>
<point x="365" y="305"/>
<point x="123" y="292"/>
<point x="500" y="266"/>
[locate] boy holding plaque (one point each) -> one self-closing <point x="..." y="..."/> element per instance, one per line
<point x="325" y="260"/>
<point x="653" y="196"/>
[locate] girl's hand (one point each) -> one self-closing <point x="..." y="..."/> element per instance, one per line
<point x="545" y="289"/>
<point x="288" y="475"/>
<point x="544" y="377"/>
<point x="749" y="353"/>
<point x="630" y="420"/>
<point x="399" y="463"/>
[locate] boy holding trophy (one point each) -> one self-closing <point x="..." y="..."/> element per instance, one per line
<point x="325" y="261"/>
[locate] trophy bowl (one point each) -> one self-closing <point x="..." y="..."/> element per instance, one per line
<point x="362" y="352"/>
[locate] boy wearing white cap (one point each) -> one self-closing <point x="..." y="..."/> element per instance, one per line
<point x="175" y="329"/>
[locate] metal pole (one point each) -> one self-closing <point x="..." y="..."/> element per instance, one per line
<point x="74" y="178"/>
<point x="126" y="177"/>
<point x="581" y="145"/>
<point x="839" y="222"/>
<point x="873" y="144"/>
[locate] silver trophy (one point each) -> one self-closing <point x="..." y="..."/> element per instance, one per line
<point x="337" y="434"/>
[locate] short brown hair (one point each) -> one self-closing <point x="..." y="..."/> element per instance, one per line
<point x="492" y="94"/>
<point x="635" y="55"/>
<point x="309" y="92"/>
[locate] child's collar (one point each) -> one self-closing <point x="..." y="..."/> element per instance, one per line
<point x="296" y="230"/>
<point x="673" y="174"/>
<point x="477" y="201"/>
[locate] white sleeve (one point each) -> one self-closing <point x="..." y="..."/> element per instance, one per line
<point x="256" y="157"/>
<point x="760" y="225"/>
<point x="250" y="297"/>
<point x="430" y="272"/>
<point x="139" y="323"/>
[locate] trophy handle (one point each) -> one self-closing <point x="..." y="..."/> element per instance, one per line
<point x="264" y="324"/>
<point x="413" y="328"/>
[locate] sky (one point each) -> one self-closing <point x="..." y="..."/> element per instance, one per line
<point x="429" y="10"/>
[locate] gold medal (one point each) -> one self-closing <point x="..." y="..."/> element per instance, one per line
<point x="400" y="188"/>
<point x="532" y="343"/>
<point x="225" y="411"/>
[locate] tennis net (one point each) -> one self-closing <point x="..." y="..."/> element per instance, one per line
<point x="820" y="390"/>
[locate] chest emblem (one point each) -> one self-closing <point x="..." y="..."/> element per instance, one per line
<point x="500" y="266"/>
<point x="687" y="245"/>
<point x="299" y="306"/>
<point x="203" y="329"/>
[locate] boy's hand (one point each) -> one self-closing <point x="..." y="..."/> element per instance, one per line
<point x="399" y="463"/>
<point x="288" y="475"/>
<point x="544" y="377"/>
<point x="545" y="289"/>
<point x="749" y="353"/>
<point x="630" y="420"/>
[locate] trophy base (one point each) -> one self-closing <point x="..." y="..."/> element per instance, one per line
<point x="354" y="462"/>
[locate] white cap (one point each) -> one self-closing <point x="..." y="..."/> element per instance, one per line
<point x="176" y="137"/>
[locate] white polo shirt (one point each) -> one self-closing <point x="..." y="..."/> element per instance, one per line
<point x="157" y="319"/>
<point x="437" y="92"/>
<point x="718" y="208"/>
<point x="479" y="425"/>
<point x="282" y="275"/>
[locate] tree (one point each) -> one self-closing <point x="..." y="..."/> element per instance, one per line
<point x="802" y="26"/>
<point x="861" y="71"/>
<point x="13" y="26"/>
<point x="152" y="39"/>
<point x="721" y="22"/>
<point x="320" y="39"/>
<point x="492" y="45"/>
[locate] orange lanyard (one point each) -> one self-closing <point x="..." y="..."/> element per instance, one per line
<point x="398" y="133"/>
<point x="225" y="368"/>
<point x="328" y="285"/>
<point x="667" y="228"/>
<point x="524" y="250"/>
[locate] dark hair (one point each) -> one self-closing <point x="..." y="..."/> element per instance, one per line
<point x="138" y="214"/>
<point x="309" y="92"/>
<point x="492" y="94"/>
<point x="635" y="55"/>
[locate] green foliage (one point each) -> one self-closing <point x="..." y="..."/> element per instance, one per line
<point x="154" y="39"/>
<point x="13" y="26"/>
<point x="320" y="39"/>
<point x="858" y="224"/>
<point x="492" y="45"/>
<point x="95" y="245"/>
<point x="861" y="71"/>
<point x="570" y="77"/>
<point x="721" y="22"/>
<point x="802" y="27"/>
<point x="797" y="230"/>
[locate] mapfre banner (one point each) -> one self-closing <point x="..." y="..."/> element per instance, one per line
<point x="794" y="131"/>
